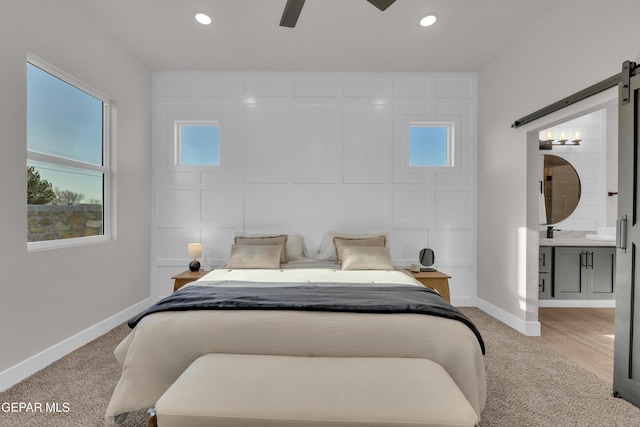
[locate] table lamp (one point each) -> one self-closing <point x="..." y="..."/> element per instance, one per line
<point x="195" y="251"/>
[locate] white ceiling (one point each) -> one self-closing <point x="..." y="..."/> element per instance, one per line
<point x="331" y="35"/>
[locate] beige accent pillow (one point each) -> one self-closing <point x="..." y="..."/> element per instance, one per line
<point x="247" y="256"/>
<point x="341" y="242"/>
<point x="327" y="250"/>
<point x="280" y="240"/>
<point x="366" y="258"/>
<point x="295" y="247"/>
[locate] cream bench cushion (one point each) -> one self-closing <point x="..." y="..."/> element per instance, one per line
<point x="255" y="390"/>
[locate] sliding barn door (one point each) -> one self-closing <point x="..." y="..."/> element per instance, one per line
<point x="626" y="377"/>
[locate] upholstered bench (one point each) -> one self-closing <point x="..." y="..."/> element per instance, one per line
<point x="249" y="390"/>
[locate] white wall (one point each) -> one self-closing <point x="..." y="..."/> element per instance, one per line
<point x="578" y="44"/>
<point x="55" y="300"/>
<point x="315" y="152"/>
<point x="612" y="164"/>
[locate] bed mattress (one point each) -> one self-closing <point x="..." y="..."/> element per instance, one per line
<point x="164" y="344"/>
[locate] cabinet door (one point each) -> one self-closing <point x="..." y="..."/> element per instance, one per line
<point x="569" y="281"/>
<point x="544" y="259"/>
<point x="601" y="266"/>
<point x="544" y="285"/>
<point x="544" y="273"/>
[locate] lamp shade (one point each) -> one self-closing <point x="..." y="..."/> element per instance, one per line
<point x="195" y="250"/>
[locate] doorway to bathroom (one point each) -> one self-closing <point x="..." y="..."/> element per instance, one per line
<point x="586" y="140"/>
<point x="576" y="164"/>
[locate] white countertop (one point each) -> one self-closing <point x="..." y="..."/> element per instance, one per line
<point x="567" y="241"/>
<point x="573" y="238"/>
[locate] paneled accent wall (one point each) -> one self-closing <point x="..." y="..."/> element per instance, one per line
<point x="315" y="152"/>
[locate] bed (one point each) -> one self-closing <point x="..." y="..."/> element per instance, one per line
<point x="307" y="311"/>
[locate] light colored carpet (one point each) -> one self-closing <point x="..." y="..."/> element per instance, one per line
<point x="528" y="386"/>
<point x="84" y="379"/>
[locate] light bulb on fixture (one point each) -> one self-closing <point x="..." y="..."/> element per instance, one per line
<point x="203" y="18"/>
<point x="563" y="138"/>
<point x="548" y="143"/>
<point x="576" y="139"/>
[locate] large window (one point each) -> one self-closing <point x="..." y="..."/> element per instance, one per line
<point x="67" y="160"/>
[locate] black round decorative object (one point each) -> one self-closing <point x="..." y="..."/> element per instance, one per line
<point x="427" y="260"/>
<point x="194" y="265"/>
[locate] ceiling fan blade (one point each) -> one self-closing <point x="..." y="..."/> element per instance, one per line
<point x="381" y="4"/>
<point x="291" y="13"/>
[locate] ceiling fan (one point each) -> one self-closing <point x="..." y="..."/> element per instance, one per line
<point x="293" y="8"/>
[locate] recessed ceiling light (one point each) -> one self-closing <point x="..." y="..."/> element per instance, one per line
<point x="428" y="20"/>
<point x="203" y="19"/>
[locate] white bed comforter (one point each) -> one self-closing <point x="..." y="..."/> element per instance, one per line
<point x="164" y="344"/>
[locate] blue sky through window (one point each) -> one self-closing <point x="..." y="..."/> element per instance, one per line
<point x="428" y="146"/>
<point x="62" y="120"/>
<point x="65" y="122"/>
<point x="200" y="145"/>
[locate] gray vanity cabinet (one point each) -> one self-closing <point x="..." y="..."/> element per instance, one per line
<point x="583" y="273"/>
<point x="545" y="258"/>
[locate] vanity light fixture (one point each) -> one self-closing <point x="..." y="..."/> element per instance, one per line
<point x="428" y="20"/>
<point x="203" y="18"/>
<point x="547" y="144"/>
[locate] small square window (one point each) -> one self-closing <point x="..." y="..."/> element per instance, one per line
<point x="430" y="144"/>
<point x="198" y="144"/>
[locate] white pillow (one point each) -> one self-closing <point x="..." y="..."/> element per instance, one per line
<point x="295" y="247"/>
<point x="327" y="250"/>
<point x="247" y="256"/>
<point x="366" y="258"/>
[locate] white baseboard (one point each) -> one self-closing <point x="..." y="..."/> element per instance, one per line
<point x="30" y="366"/>
<point x="520" y="325"/>
<point x="463" y="302"/>
<point x="584" y="303"/>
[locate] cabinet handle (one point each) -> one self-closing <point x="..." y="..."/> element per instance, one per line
<point x="583" y="260"/>
<point x="590" y="257"/>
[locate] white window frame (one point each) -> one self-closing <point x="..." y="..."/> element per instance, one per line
<point x="105" y="169"/>
<point x="450" y="126"/>
<point x="177" y="148"/>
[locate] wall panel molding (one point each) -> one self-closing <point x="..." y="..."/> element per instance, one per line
<point x="311" y="152"/>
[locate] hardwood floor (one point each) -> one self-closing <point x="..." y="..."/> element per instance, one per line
<point x="582" y="335"/>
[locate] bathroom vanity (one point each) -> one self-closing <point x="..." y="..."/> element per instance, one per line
<point x="572" y="267"/>
<point x="576" y="268"/>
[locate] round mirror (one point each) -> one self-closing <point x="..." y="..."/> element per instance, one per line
<point x="561" y="188"/>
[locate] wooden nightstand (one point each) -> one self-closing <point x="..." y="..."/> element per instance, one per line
<point x="435" y="280"/>
<point x="187" y="276"/>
